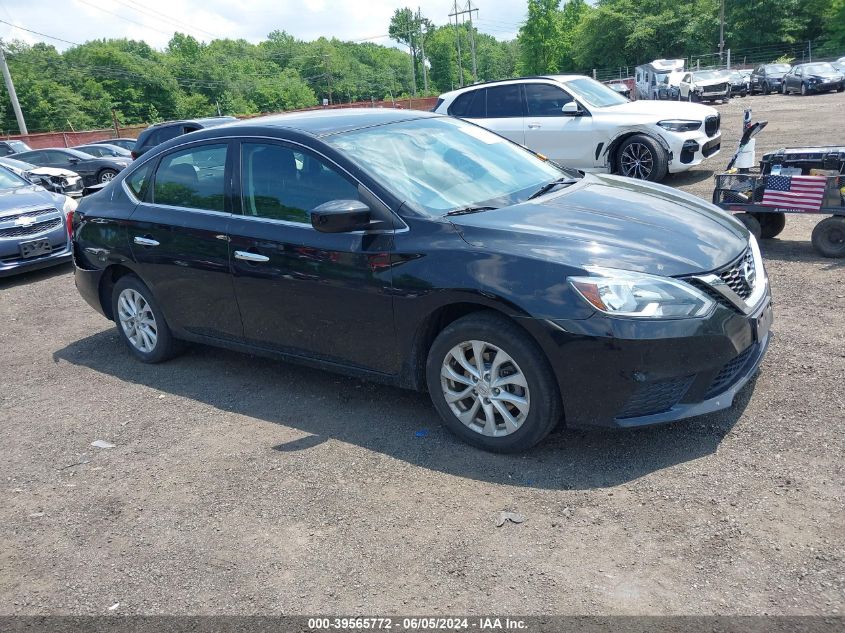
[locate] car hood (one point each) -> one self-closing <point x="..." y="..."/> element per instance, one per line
<point x="54" y="171"/>
<point x="613" y="222"/>
<point x="711" y="82"/>
<point x="659" y="110"/>
<point x="775" y="75"/>
<point x="827" y="76"/>
<point x="13" y="200"/>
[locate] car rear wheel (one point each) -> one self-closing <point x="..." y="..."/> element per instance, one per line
<point x="107" y="175"/>
<point x="829" y="237"/>
<point x="140" y="322"/>
<point x="643" y="158"/>
<point x="771" y="224"/>
<point x="491" y="384"/>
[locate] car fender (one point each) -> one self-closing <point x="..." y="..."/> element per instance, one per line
<point x="608" y="152"/>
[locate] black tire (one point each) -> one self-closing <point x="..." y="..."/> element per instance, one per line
<point x="771" y="224"/>
<point x="750" y="223"/>
<point x="766" y="88"/>
<point x="544" y="409"/>
<point x="783" y="89"/>
<point x="165" y="345"/>
<point x="840" y="89"/>
<point x="106" y="175"/>
<point x="659" y="158"/>
<point x="804" y="90"/>
<point x="829" y="237"/>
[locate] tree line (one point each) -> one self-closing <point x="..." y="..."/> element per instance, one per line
<point x="83" y="86"/>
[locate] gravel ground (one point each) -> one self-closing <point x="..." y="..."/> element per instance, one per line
<point x="243" y="485"/>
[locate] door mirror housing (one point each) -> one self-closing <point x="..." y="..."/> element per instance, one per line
<point x="73" y="160"/>
<point x="341" y="216"/>
<point x="571" y="109"/>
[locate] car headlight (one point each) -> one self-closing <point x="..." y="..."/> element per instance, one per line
<point x="628" y="294"/>
<point x="70" y="205"/>
<point x="679" y="125"/>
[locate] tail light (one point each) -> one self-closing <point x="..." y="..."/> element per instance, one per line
<point x="69" y="221"/>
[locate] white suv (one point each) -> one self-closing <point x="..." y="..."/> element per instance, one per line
<point x="581" y="123"/>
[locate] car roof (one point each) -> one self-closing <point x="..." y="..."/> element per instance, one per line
<point x="327" y="122"/>
<point x="205" y="121"/>
<point x="515" y="80"/>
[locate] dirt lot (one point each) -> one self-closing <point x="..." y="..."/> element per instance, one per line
<point x="243" y="485"/>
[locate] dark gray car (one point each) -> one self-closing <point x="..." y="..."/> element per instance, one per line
<point x="33" y="225"/>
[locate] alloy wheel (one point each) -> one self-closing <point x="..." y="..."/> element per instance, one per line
<point x="485" y="388"/>
<point x="107" y="176"/>
<point x="137" y="320"/>
<point x="637" y="161"/>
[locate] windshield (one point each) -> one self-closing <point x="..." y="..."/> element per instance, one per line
<point x="594" y="93"/>
<point x="705" y="75"/>
<point x="778" y="68"/>
<point x="19" y="146"/>
<point x="439" y="165"/>
<point x="77" y="154"/>
<point x="819" y="68"/>
<point x="9" y="180"/>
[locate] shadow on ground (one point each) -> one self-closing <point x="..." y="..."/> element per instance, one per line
<point x="34" y="276"/>
<point x="797" y="251"/>
<point x="400" y="423"/>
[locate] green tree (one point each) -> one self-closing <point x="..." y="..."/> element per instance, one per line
<point x="540" y="38"/>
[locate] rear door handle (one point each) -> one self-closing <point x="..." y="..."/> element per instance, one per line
<point x="534" y="126"/>
<point x="145" y="241"/>
<point x="251" y="257"/>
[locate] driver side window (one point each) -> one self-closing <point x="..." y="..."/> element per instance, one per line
<point x="545" y="99"/>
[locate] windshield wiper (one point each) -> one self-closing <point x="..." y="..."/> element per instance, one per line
<point x="549" y="186"/>
<point x="468" y="210"/>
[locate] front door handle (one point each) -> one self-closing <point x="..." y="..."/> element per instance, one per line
<point x="534" y="126"/>
<point x="145" y="241"/>
<point x="251" y="257"/>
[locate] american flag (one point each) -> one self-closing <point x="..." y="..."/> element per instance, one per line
<point x="795" y="192"/>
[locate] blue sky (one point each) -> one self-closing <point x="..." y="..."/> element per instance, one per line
<point x="155" y="20"/>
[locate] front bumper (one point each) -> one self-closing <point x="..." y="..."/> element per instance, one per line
<point x="13" y="266"/>
<point x="691" y="148"/>
<point x="622" y="373"/>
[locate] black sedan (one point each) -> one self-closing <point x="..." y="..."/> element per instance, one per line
<point x="104" y="149"/>
<point x="126" y="143"/>
<point x="93" y="169"/>
<point x="816" y="77"/>
<point x="429" y="253"/>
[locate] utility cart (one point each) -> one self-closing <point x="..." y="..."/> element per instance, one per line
<point x="805" y="180"/>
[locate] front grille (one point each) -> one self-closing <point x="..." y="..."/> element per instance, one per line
<point x="34" y="213"/>
<point x="728" y="373"/>
<point x="711" y="124"/>
<point x="718" y="89"/>
<point x="741" y="275"/>
<point x="655" y="397"/>
<point x="32" y="229"/>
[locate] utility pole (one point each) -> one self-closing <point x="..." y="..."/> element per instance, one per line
<point x="413" y="65"/>
<point x="117" y="127"/>
<point x="468" y="11"/>
<point x="458" y="40"/>
<point x="721" y="29"/>
<point x="422" y="50"/>
<point x="10" y="86"/>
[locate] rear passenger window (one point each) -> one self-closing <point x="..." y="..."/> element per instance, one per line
<point x="192" y="178"/>
<point x="504" y="101"/>
<point x="280" y="183"/>
<point x="139" y="179"/>
<point x="545" y="100"/>
<point x="469" y="105"/>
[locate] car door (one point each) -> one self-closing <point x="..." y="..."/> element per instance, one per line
<point x="321" y="295"/>
<point x="505" y="112"/>
<point x="793" y="78"/>
<point x="566" y="139"/>
<point x="178" y="238"/>
<point x="685" y="86"/>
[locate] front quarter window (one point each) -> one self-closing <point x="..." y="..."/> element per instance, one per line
<point x="440" y="164"/>
<point x="594" y="93"/>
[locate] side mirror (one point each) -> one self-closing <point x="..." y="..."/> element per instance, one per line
<point x="73" y="160"/>
<point x="341" y="216"/>
<point x="571" y="109"/>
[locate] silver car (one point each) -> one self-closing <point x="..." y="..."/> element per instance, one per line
<point x="33" y="225"/>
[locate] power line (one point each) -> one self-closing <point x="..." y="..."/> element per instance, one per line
<point x="117" y="15"/>
<point x="49" y="37"/>
<point x="144" y="10"/>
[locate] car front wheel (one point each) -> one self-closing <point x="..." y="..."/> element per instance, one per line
<point x="491" y="384"/>
<point x="140" y="322"/>
<point x="643" y="158"/>
<point x="803" y="90"/>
